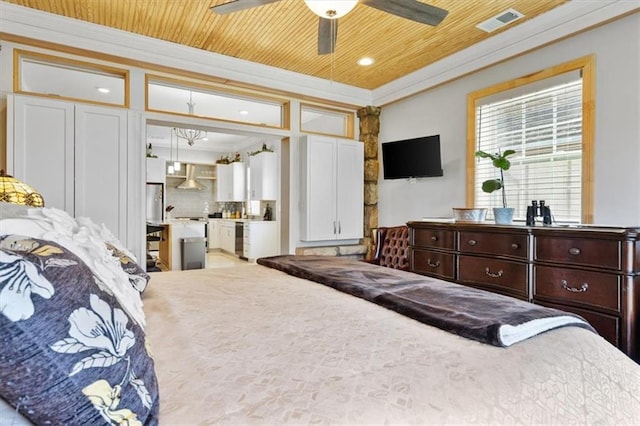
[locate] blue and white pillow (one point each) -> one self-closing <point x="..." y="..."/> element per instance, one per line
<point x="70" y="353"/>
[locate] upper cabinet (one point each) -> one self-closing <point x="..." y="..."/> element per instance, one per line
<point x="75" y="155"/>
<point x="231" y="182"/>
<point x="331" y="188"/>
<point x="263" y="172"/>
<point x="155" y="170"/>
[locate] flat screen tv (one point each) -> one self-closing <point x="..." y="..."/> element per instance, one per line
<point x="412" y="158"/>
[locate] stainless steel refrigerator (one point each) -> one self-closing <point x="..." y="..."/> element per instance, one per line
<point x="155" y="202"/>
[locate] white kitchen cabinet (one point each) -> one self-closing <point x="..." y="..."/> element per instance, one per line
<point x="331" y="188"/>
<point x="228" y="236"/>
<point x="263" y="172"/>
<point x="231" y="182"/>
<point x="75" y="155"/>
<point x="156" y="170"/>
<point x="260" y="239"/>
<point x="213" y="234"/>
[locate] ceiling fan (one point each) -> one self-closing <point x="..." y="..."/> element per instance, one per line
<point x="330" y="11"/>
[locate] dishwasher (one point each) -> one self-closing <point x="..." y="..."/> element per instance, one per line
<point x="240" y="239"/>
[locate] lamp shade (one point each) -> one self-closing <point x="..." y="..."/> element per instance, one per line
<point x="331" y="9"/>
<point x="15" y="192"/>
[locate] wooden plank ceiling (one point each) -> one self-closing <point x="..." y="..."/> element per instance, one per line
<point x="284" y="34"/>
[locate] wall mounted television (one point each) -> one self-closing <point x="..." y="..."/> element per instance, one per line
<point x="412" y="158"/>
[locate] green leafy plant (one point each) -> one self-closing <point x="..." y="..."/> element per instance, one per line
<point x="501" y="162"/>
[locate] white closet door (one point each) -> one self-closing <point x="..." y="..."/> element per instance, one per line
<point x="42" y="148"/>
<point x="101" y="166"/>
<point x="318" y="172"/>
<point x="350" y="189"/>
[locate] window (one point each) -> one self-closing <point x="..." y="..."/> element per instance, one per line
<point x="65" y="78"/>
<point x="186" y="98"/>
<point x="544" y="122"/>
<point x="315" y="119"/>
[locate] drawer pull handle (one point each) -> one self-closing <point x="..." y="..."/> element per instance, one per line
<point x="515" y="246"/>
<point x="582" y="289"/>
<point x="433" y="265"/>
<point x="472" y="242"/>
<point x="492" y="274"/>
<point x="434" y="238"/>
<point x="575" y="251"/>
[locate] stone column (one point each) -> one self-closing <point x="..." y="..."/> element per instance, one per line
<point x="369" y="128"/>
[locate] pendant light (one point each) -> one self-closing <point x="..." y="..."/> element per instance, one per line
<point x="170" y="168"/>
<point x="177" y="166"/>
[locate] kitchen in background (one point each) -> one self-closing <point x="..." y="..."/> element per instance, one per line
<point x="210" y="205"/>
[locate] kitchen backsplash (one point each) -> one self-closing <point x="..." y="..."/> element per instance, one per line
<point x="189" y="203"/>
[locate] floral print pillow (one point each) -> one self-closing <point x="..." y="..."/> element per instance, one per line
<point x="69" y="353"/>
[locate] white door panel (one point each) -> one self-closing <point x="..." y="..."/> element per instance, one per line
<point x="101" y="186"/>
<point x="43" y="148"/>
<point x="349" y="185"/>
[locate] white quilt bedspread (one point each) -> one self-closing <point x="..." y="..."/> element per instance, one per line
<point x="252" y="345"/>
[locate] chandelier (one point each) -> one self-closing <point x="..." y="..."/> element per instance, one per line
<point x="331" y="9"/>
<point x="191" y="135"/>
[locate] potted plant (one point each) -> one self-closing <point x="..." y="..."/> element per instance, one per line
<point x="502" y="215"/>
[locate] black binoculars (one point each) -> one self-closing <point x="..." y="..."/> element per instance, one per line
<point x="537" y="209"/>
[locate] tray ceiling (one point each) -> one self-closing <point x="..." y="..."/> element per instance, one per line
<point x="284" y="34"/>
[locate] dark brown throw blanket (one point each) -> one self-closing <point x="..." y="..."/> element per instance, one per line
<point x="472" y="313"/>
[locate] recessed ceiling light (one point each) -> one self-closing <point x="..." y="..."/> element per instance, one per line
<point x="366" y="61"/>
<point x="243" y="112"/>
<point x="103" y="89"/>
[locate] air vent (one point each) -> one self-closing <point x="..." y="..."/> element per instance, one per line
<point x="500" y="20"/>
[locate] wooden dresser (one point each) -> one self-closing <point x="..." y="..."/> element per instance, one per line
<point x="591" y="271"/>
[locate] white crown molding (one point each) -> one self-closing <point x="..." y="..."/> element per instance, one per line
<point x="560" y="22"/>
<point x="31" y="23"/>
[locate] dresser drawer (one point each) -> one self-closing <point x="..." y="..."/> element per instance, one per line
<point x="512" y="245"/>
<point x="578" y="251"/>
<point x="433" y="263"/>
<point x="500" y="275"/>
<point x="435" y="238"/>
<point x="607" y="326"/>
<point x="585" y="288"/>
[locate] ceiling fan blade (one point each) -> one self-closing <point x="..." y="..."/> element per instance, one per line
<point x="410" y="9"/>
<point x="238" y="5"/>
<point x="327" y="35"/>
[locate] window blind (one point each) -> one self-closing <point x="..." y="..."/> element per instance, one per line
<point x="544" y="127"/>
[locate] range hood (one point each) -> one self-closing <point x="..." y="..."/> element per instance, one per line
<point x="191" y="182"/>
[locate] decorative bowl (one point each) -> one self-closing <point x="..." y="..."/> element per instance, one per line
<point x="469" y="215"/>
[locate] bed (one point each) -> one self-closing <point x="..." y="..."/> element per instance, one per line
<point x="254" y="345"/>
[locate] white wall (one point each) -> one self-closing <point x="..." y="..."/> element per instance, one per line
<point x="442" y="110"/>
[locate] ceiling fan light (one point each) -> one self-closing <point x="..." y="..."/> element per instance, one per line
<point x="331" y="9"/>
